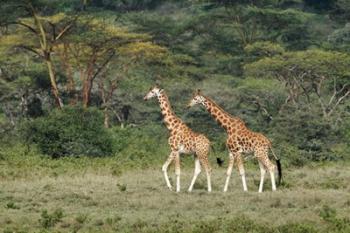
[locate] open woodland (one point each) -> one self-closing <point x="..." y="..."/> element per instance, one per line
<point x="80" y="151"/>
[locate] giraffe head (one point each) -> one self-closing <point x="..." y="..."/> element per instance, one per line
<point x="197" y="98"/>
<point x="153" y="92"/>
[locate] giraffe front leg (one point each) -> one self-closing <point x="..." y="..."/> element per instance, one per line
<point x="197" y="170"/>
<point x="229" y="171"/>
<point x="203" y="158"/>
<point x="165" y="169"/>
<point x="240" y="166"/>
<point x="177" y="171"/>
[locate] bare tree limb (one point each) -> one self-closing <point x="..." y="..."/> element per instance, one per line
<point x="24" y="25"/>
<point x="338" y="102"/>
<point x="334" y="91"/>
<point x="99" y="69"/>
<point x="66" y="28"/>
<point x="30" y="49"/>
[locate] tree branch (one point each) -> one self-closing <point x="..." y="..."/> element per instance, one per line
<point x="30" y="49"/>
<point x="338" y="102"/>
<point x="103" y="65"/>
<point x="334" y="91"/>
<point x="66" y="28"/>
<point x="24" y="25"/>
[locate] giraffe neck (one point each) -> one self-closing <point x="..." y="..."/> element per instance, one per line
<point x="220" y="115"/>
<point x="168" y="115"/>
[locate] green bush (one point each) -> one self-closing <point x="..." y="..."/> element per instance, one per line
<point x="303" y="135"/>
<point x="49" y="220"/>
<point x="335" y="224"/>
<point x="72" y="131"/>
<point x="141" y="146"/>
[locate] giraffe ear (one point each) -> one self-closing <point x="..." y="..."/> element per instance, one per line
<point x="198" y="92"/>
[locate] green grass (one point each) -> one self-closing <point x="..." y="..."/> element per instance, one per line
<point x="90" y="195"/>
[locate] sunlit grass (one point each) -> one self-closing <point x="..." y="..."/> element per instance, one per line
<point x="87" y="195"/>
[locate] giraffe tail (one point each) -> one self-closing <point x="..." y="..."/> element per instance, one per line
<point x="219" y="160"/>
<point x="279" y="166"/>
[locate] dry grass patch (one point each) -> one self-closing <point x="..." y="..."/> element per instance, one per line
<point x="138" y="200"/>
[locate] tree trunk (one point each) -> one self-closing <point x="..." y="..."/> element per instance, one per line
<point x="54" y="87"/>
<point x="87" y="86"/>
<point x="106" y="120"/>
<point x="46" y="53"/>
<point x="70" y="87"/>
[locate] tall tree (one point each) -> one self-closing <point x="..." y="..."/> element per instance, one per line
<point x="37" y="34"/>
<point x="93" y="46"/>
<point x="311" y="74"/>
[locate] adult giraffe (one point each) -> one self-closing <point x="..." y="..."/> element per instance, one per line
<point x="182" y="140"/>
<point x="241" y="139"/>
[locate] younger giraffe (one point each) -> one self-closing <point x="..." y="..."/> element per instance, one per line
<point x="241" y="139"/>
<point x="182" y="140"/>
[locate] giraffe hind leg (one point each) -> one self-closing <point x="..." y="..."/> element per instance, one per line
<point x="273" y="182"/>
<point x="262" y="176"/>
<point x="197" y="170"/>
<point x="264" y="159"/>
<point x="177" y="171"/>
<point x="205" y="163"/>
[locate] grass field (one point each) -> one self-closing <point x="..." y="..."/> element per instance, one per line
<point x="89" y="195"/>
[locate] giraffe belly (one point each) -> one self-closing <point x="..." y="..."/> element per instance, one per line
<point x="246" y="149"/>
<point x="184" y="150"/>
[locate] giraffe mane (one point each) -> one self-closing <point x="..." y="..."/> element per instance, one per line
<point x="217" y="106"/>
<point x="162" y="91"/>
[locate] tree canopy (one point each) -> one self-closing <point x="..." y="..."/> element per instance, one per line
<point x="281" y="66"/>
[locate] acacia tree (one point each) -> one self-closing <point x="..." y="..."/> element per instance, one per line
<point x="92" y="48"/>
<point x="256" y="20"/>
<point x="312" y="74"/>
<point x="38" y="35"/>
<point x="129" y="57"/>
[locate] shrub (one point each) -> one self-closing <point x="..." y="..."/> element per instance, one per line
<point x="141" y="146"/>
<point x="11" y="205"/>
<point x="49" y="220"/>
<point x="304" y="136"/>
<point x="72" y="131"/>
<point x="335" y="224"/>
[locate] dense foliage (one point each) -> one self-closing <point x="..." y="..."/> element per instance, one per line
<point x="281" y="66"/>
<point x="70" y="132"/>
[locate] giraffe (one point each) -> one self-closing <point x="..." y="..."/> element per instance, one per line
<point x="182" y="140"/>
<point x="241" y="140"/>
